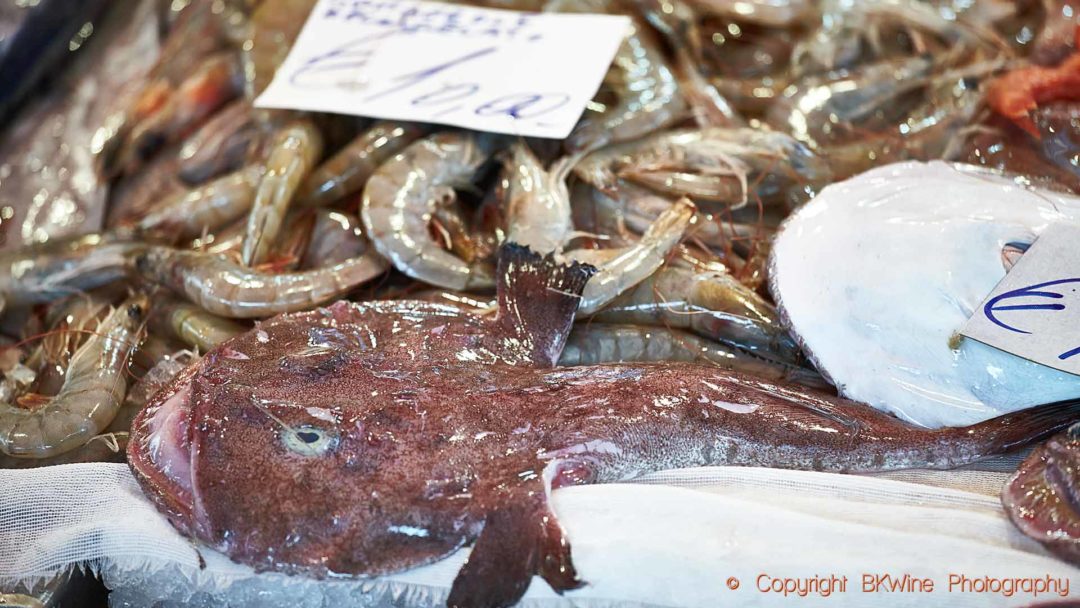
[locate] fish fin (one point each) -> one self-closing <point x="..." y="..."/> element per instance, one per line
<point x="1017" y="429"/>
<point x="538" y="298"/>
<point x="815" y="410"/>
<point x="519" y="540"/>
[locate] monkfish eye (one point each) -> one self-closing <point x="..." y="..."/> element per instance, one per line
<point x="309" y="440"/>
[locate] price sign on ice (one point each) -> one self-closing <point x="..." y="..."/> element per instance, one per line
<point x="527" y="74"/>
<point x="1034" y="312"/>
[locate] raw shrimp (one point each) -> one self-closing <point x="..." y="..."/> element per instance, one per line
<point x="403" y="194"/>
<point x="290" y="247"/>
<point x="222" y="145"/>
<point x="767" y="13"/>
<point x="634" y="208"/>
<point x="745" y="62"/>
<point x="729" y="165"/>
<point x="110" y="446"/>
<point x="91" y="395"/>
<point x="295" y="150"/>
<point x="208" y="207"/>
<point x="646" y="89"/>
<point x="335" y="237"/>
<point x="678" y="24"/>
<point x="45" y="272"/>
<point x="537" y="202"/>
<point x="134" y="195"/>
<point x="275" y="24"/>
<point x="933" y="129"/>
<point x="347" y="171"/>
<point x="193" y="326"/>
<point x="70" y="322"/>
<point x="153" y="349"/>
<point x="197" y="74"/>
<point x="228" y="289"/>
<point x="854" y="34"/>
<point x="623" y="268"/>
<point x="598" y="343"/>
<point x="707" y="105"/>
<point x="823" y="110"/>
<point x="710" y="303"/>
<point x="177" y="112"/>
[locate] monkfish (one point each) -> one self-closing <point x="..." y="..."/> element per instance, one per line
<point x="1043" y="497"/>
<point x="368" y="438"/>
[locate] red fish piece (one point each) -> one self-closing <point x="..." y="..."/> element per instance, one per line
<point x="1043" y="497"/>
<point x="1016" y="94"/>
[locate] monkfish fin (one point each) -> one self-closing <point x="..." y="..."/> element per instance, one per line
<point x="518" y="540"/>
<point x="538" y="298"/>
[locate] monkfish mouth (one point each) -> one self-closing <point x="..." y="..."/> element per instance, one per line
<point x="159" y="452"/>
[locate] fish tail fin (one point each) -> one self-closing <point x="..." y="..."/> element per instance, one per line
<point x="1018" y="429"/>
<point x="538" y="298"/>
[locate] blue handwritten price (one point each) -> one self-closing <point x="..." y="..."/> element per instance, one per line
<point x="418" y="87"/>
<point x="1002" y="303"/>
<point x="484" y="69"/>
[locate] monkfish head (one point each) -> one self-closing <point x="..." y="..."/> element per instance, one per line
<point x="313" y="462"/>
<point x="1043" y="497"/>
<point x="350" y="440"/>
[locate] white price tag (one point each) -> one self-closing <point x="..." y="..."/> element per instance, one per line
<point x="527" y="74"/>
<point x="1034" y="312"/>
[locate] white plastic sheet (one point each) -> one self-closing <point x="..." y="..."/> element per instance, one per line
<point x="675" y="540"/>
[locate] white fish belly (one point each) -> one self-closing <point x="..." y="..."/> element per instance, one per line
<point x="876" y="274"/>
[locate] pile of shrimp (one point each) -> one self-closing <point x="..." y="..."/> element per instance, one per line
<point x="717" y="119"/>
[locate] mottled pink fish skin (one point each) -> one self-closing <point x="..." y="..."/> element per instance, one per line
<point x="1043" y="497"/>
<point x="448" y="427"/>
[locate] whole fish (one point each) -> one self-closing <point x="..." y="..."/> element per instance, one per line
<point x="368" y="438"/>
<point x="922" y="246"/>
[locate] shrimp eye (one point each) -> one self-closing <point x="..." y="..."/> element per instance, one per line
<point x="309" y="440"/>
<point x="135" y="312"/>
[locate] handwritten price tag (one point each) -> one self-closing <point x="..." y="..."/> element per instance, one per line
<point x="1034" y="312"/>
<point x="527" y="74"/>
